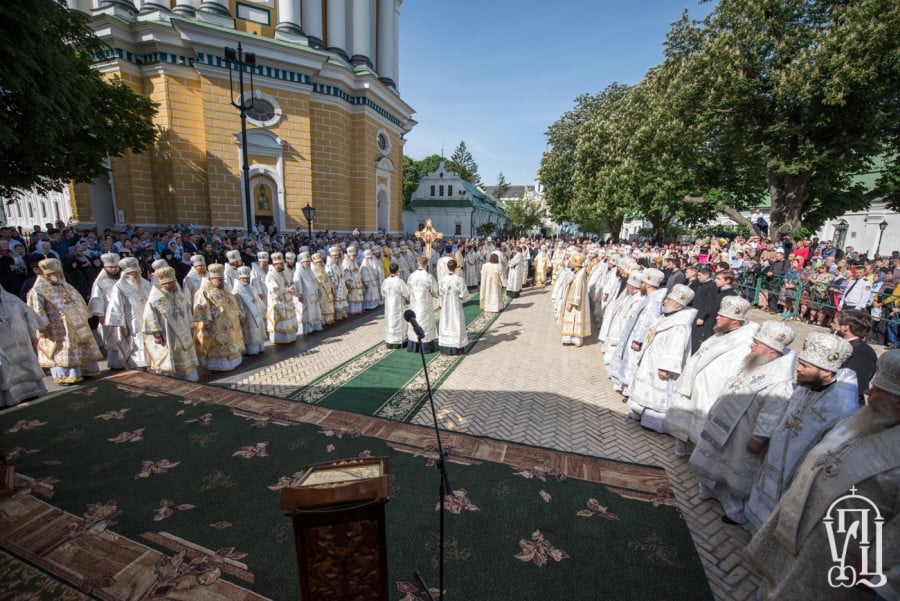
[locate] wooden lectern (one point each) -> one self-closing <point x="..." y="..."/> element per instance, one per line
<point x="339" y="529"/>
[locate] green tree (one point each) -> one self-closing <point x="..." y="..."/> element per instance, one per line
<point x="522" y="215"/>
<point x="503" y="186"/>
<point x="557" y="170"/>
<point x="464" y="165"/>
<point x="796" y="97"/>
<point x="414" y="170"/>
<point x="486" y="229"/>
<point x="60" y="118"/>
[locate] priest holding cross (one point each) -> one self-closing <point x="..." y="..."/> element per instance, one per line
<point x="428" y="235"/>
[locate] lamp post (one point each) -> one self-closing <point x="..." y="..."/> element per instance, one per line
<point x="882" y="225"/>
<point x="308" y="213"/>
<point x="240" y="59"/>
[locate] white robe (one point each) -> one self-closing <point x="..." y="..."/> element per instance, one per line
<point x="703" y="379"/>
<point x="125" y="311"/>
<point x="807" y="418"/>
<point x="368" y="273"/>
<point x="21" y="376"/>
<point x="624" y="361"/>
<point x="752" y="404"/>
<point x="423" y="290"/>
<point x="515" y="280"/>
<point x="395" y="292"/>
<point x="253" y="327"/>
<point x="281" y="316"/>
<point x="305" y="285"/>
<point x="169" y="315"/>
<point x="453" y="321"/>
<point x="191" y="284"/>
<point x="491" y="288"/>
<point x="667" y="347"/>
<point x="625" y="309"/>
<point x="101" y="291"/>
<point x="473" y="268"/>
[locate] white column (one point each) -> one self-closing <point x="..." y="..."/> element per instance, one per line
<point x="288" y="19"/>
<point x="150" y="6"/>
<point x="385" y="40"/>
<point x="187" y="8"/>
<point x="396" y="70"/>
<point x="127" y="5"/>
<point x="337" y="27"/>
<point x="80" y="5"/>
<point x="217" y="7"/>
<point x="362" y="21"/>
<point x="312" y="22"/>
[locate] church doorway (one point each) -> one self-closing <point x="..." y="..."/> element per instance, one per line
<point x="264" y="192"/>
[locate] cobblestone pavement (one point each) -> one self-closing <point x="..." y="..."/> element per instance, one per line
<point x="520" y="384"/>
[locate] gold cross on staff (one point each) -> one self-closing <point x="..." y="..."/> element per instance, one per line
<point x="428" y="235"/>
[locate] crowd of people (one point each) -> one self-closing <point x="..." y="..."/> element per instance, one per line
<point x="757" y="420"/>
<point x="672" y="324"/>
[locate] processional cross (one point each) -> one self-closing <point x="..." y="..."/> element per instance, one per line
<point x="428" y="235"/>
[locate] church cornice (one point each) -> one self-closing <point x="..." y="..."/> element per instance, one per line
<point x="182" y="42"/>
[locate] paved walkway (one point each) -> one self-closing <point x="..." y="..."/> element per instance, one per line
<point x="520" y="384"/>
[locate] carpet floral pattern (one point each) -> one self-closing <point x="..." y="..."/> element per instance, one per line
<point x="140" y="487"/>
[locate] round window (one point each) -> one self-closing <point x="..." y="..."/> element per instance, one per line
<point x="384" y="143"/>
<point x="262" y="111"/>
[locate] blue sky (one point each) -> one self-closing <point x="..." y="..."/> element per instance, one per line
<point x="497" y="73"/>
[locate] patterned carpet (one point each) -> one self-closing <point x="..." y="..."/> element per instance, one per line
<point x="140" y="487"/>
<point x="390" y="383"/>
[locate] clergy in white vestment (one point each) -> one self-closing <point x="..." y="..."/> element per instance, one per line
<point x="574" y="322"/>
<point x="504" y="261"/>
<point x="666" y="350"/>
<point x="306" y="287"/>
<point x="21" y="376"/>
<point x="338" y="284"/>
<point x="491" y="286"/>
<point x="253" y="327"/>
<point x="326" y="292"/>
<point x="194" y="278"/>
<point x="217" y="323"/>
<point x="514" y="280"/>
<point x="824" y="394"/>
<point x="706" y="372"/>
<point x="369" y="274"/>
<point x="472" y="261"/>
<point x="168" y="337"/>
<point x="281" y="316"/>
<point x="353" y="281"/>
<point x="835" y="534"/>
<point x="557" y="261"/>
<point x="559" y="287"/>
<point x="452" y="337"/>
<point x="609" y="290"/>
<point x="441" y="268"/>
<point x="234" y="261"/>
<point x="395" y="292"/>
<point x="628" y="352"/>
<point x="621" y="314"/>
<point x="258" y="272"/>
<point x="423" y="289"/>
<point x="125" y="311"/>
<point x="741" y="421"/>
<point x="541" y="266"/>
<point x="101" y="290"/>
<point x="407" y="262"/>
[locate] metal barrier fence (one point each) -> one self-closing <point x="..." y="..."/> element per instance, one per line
<point x="805" y="298"/>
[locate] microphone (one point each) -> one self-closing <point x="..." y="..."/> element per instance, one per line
<point x="410" y="316"/>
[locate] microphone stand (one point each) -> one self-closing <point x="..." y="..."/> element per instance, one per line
<point x="444" y="485"/>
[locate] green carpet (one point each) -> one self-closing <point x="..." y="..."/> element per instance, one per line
<point x="390" y="383"/>
<point x="198" y="482"/>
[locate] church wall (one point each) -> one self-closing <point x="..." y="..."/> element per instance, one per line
<point x="322" y="151"/>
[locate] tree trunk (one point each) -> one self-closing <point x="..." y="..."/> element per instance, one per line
<point x="789" y="194"/>
<point x="733" y="214"/>
<point x="615" y="226"/>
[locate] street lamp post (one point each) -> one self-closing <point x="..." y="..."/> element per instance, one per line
<point x="309" y="212"/>
<point x="882" y="225"/>
<point x="240" y="59"/>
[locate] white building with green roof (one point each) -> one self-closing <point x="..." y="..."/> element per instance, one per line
<point x="456" y="207"/>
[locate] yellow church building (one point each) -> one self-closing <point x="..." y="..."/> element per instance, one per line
<point x="325" y="128"/>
